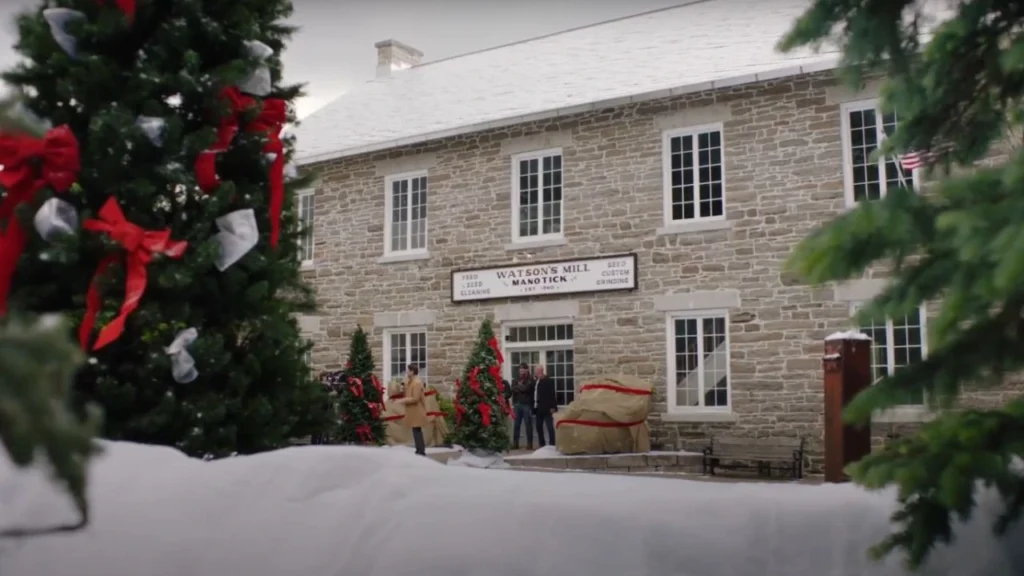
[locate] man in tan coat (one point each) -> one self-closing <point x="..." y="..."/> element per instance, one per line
<point x="415" y="408"/>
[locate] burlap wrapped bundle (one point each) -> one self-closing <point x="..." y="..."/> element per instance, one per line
<point x="608" y="416"/>
<point x="397" y="433"/>
<point x="437" y="427"/>
<point x="395" y="430"/>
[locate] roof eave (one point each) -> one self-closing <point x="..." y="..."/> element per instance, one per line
<point x="829" y="63"/>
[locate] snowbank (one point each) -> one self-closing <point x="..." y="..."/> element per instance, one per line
<point x="349" y="511"/>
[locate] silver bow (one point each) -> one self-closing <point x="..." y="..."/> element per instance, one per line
<point x="183" y="366"/>
<point x="58" y="19"/>
<point x="55" y="218"/>
<point x="153" y="128"/>
<point x="290" y="171"/>
<point x="238" y="234"/>
<point x="258" y="82"/>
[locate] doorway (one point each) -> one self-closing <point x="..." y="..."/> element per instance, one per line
<point x="546" y="345"/>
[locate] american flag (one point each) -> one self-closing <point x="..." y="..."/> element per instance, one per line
<point x="915" y="159"/>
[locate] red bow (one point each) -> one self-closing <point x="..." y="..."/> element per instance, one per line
<point x="271" y="120"/>
<point x="493" y="343"/>
<point x="355" y="385"/>
<point x="227" y="128"/>
<point x="30" y="164"/>
<point x="139" y="246"/>
<point x="485" y="413"/>
<point x="365" y="434"/>
<point x="126" y="6"/>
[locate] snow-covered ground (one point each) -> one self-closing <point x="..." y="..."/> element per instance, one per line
<point x="350" y="511"/>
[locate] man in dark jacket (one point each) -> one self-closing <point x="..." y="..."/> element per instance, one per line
<point x="546" y="404"/>
<point x="522" y="406"/>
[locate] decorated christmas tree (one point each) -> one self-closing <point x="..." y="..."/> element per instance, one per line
<point x="358" y="396"/>
<point x="957" y="94"/>
<point x="152" y="206"/>
<point x="481" y="410"/>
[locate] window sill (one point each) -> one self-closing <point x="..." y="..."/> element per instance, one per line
<point x="306" y="266"/>
<point x="394" y="258"/>
<point x="903" y="415"/>
<point x="688" y="227"/>
<point x="699" y="416"/>
<point x="542" y="243"/>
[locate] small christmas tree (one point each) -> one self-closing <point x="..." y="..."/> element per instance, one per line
<point x="481" y="410"/>
<point x="359" y="396"/>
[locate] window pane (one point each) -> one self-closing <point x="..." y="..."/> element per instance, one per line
<point x="715" y="362"/>
<point x="899" y="344"/>
<point x="559" y="366"/>
<point x="687" y="351"/>
<point x="696" y="176"/>
<point x="305" y="210"/>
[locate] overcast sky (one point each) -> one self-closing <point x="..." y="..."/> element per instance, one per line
<point x="334" y="47"/>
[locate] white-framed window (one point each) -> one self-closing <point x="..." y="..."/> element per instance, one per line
<point x="694" y="174"/>
<point x="896" y="343"/>
<point x="305" y="200"/>
<point x="537" y="206"/>
<point x="864" y="127"/>
<point x="547" y="344"/>
<point x="403" y="347"/>
<point x="698" y="376"/>
<point x="405" y="231"/>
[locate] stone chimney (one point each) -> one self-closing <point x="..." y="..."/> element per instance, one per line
<point x="392" y="55"/>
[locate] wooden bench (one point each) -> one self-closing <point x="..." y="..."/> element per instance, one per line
<point x="764" y="454"/>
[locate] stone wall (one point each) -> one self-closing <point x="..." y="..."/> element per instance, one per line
<point x="783" y="178"/>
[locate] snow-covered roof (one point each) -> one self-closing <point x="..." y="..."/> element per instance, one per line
<point x="687" y="48"/>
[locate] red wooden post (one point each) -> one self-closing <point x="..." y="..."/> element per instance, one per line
<point x="847" y="367"/>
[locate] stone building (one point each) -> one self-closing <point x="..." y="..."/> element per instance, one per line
<point x="619" y="198"/>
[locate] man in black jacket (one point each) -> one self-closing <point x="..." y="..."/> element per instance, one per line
<point x="546" y="405"/>
<point x="522" y="406"/>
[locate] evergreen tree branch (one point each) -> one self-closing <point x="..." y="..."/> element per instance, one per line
<point x="959" y="247"/>
<point x="39" y="362"/>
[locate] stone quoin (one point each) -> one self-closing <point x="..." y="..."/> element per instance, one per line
<point x="607" y="231"/>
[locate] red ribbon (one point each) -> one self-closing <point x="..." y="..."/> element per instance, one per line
<point x="495" y="373"/>
<point x="140" y="246"/>
<point x="493" y="343"/>
<point x="270" y="122"/>
<point x="29" y="164"/>
<point x="125" y="6"/>
<point x="460" y="410"/>
<point x="596" y="424"/>
<point x="614" y="388"/>
<point x="474" y="383"/>
<point x="485" y="413"/>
